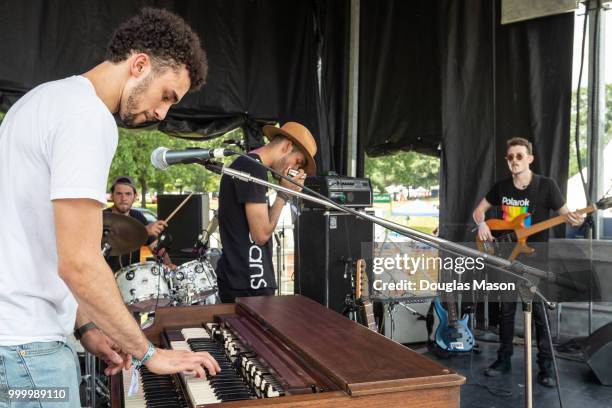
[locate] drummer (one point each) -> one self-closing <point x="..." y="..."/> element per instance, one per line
<point x="123" y="194"/>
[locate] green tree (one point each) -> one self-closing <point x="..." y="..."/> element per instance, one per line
<point x="582" y="128"/>
<point x="406" y="168"/>
<point x="133" y="159"/>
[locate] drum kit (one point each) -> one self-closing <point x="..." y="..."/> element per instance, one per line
<point x="147" y="285"/>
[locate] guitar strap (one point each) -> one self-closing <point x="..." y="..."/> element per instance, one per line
<point x="535" y="187"/>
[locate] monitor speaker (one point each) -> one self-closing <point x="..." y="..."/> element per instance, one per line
<point x="598" y="353"/>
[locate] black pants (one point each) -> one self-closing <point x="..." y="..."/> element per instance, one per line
<point x="229" y="295"/>
<point x="506" y="333"/>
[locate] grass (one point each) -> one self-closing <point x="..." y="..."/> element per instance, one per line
<point x="424" y="224"/>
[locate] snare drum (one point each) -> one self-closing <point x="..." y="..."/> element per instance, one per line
<point x="144" y="286"/>
<point x="194" y="281"/>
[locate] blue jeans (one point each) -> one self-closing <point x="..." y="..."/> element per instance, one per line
<point x="40" y="365"/>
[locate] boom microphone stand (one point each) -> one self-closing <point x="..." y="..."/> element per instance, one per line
<point x="514" y="268"/>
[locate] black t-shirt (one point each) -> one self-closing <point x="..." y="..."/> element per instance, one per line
<point x="539" y="198"/>
<point x="243" y="264"/>
<point x="118" y="262"/>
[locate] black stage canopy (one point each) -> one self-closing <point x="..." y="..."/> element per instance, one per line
<point x="440" y="77"/>
<point x="263" y="58"/>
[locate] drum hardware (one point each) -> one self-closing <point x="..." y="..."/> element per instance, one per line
<point x="90" y="375"/>
<point x="200" y="246"/>
<point x="210" y="229"/>
<point x="106" y="249"/>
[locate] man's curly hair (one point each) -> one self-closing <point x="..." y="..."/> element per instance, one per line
<point x="166" y="38"/>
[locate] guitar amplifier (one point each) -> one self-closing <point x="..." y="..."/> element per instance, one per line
<point x="187" y="223"/>
<point x="325" y="241"/>
<point x="349" y="191"/>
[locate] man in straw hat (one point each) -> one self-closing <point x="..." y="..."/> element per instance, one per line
<point x="247" y="221"/>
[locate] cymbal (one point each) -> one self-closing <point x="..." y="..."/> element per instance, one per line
<point x="124" y="233"/>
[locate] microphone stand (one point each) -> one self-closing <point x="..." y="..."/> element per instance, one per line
<point x="528" y="290"/>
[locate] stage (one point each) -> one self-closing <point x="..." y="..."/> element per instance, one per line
<point x="579" y="386"/>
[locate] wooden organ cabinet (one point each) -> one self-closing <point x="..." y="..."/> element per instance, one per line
<point x="286" y="351"/>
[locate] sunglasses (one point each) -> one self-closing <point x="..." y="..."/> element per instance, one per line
<point x="519" y="156"/>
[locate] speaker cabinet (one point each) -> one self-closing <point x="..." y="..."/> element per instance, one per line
<point x="187" y="223"/>
<point x="326" y="241"/>
<point x="598" y="353"/>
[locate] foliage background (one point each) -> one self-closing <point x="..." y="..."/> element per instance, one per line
<point x="405" y="168"/>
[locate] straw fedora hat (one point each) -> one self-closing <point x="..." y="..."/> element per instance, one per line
<point x="301" y="137"/>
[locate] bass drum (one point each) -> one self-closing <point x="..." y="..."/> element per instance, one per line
<point x="144" y="286"/>
<point x="194" y="282"/>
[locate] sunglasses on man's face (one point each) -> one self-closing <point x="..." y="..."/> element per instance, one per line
<point x="519" y="156"/>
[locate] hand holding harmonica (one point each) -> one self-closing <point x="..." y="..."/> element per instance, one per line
<point x="292" y="173"/>
<point x="297" y="175"/>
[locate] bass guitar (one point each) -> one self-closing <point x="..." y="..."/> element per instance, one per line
<point x="452" y="334"/>
<point x="516" y="232"/>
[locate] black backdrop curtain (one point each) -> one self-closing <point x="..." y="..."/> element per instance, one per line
<point x="529" y="85"/>
<point x="445" y="78"/>
<point x="399" y="77"/>
<point x="263" y="57"/>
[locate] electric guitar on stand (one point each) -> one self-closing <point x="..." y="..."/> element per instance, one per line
<point x="516" y="232"/>
<point x="362" y="295"/>
<point x="452" y="334"/>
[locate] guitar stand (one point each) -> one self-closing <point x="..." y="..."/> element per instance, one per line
<point x="476" y="347"/>
<point x="351" y="309"/>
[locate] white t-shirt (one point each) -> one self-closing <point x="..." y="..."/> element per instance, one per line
<point x="56" y="142"/>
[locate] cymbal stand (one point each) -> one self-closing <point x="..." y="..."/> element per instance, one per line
<point x="106" y="247"/>
<point x="90" y="379"/>
<point x="279" y="269"/>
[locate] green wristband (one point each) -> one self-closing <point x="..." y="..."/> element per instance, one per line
<point x="139" y="363"/>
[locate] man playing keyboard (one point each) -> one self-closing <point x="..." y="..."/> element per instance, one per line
<point x="56" y="147"/>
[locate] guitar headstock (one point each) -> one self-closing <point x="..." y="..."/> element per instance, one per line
<point x="363" y="285"/>
<point x="604" y="203"/>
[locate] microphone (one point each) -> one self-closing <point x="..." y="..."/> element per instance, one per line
<point x="212" y="227"/>
<point x="162" y="157"/>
